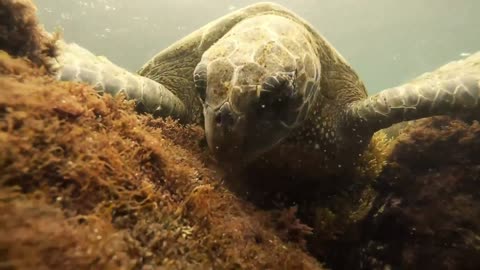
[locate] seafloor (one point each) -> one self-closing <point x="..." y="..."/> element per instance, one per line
<point x="86" y="183"/>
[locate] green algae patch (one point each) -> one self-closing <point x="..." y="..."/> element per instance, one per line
<point x="374" y="158"/>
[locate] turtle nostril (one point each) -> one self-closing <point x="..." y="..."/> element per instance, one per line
<point x="224" y="117"/>
<point x="218" y="118"/>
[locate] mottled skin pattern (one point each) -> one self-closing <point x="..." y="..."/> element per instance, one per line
<point x="75" y="63"/>
<point x="452" y="89"/>
<point x="270" y="90"/>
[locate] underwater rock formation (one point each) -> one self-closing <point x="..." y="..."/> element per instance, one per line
<point x="427" y="215"/>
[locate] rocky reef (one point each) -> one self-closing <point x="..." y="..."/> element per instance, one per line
<point x="427" y="214"/>
<point x="88" y="183"/>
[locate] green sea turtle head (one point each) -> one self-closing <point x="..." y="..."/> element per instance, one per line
<point x="254" y="92"/>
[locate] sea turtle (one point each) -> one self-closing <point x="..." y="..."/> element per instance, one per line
<point x="267" y="86"/>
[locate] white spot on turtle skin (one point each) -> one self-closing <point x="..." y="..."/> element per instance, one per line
<point x="317" y="146"/>
<point x="263" y="106"/>
<point x="339" y="165"/>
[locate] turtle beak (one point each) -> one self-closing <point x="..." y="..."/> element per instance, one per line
<point x="224" y="131"/>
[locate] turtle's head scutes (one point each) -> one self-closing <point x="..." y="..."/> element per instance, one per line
<point x="254" y="93"/>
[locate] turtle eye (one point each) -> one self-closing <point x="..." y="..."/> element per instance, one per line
<point x="271" y="102"/>
<point x="278" y="88"/>
<point x="279" y="98"/>
<point x="201" y="87"/>
<point x="281" y="81"/>
<point x="274" y="95"/>
<point x="200" y="80"/>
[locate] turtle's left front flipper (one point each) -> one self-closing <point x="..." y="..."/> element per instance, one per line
<point x="75" y="63"/>
<point x="453" y="89"/>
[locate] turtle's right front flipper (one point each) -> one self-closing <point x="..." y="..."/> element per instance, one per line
<point x="453" y="89"/>
<point x="75" y="63"/>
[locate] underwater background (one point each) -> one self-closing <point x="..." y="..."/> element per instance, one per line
<point x="387" y="42"/>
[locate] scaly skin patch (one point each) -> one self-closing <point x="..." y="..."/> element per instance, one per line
<point x="249" y="78"/>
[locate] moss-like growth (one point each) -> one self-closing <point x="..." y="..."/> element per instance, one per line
<point x="20" y="33"/>
<point x="375" y="157"/>
<point x="427" y="212"/>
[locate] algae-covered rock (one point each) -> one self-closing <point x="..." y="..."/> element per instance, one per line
<point x="428" y="213"/>
<point x="20" y="33"/>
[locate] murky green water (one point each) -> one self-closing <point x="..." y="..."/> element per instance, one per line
<point x="387" y="41"/>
